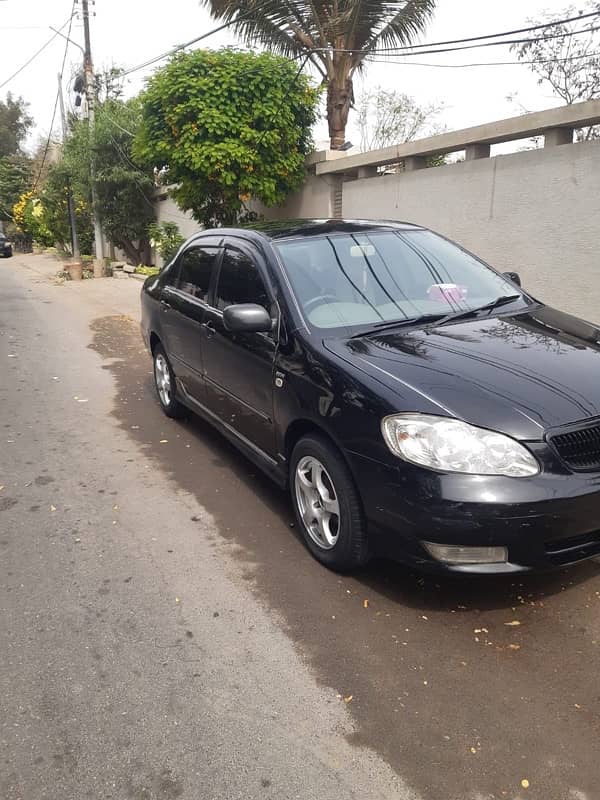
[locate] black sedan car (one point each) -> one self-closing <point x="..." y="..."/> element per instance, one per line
<point x="5" y="247"/>
<point x="418" y="404"/>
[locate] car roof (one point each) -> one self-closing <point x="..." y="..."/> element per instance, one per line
<point x="299" y="228"/>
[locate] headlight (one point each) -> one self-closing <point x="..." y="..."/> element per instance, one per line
<point x="449" y="445"/>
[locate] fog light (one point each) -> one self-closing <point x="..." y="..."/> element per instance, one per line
<point x="461" y="554"/>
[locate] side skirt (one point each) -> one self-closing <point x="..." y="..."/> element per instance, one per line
<point x="276" y="470"/>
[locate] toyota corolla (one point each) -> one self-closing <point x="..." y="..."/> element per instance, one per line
<point x="416" y="403"/>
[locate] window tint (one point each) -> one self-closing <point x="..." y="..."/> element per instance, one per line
<point x="195" y="271"/>
<point x="240" y="282"/>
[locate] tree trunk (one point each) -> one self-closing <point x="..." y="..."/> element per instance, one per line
<point x="130" y="251"/>
<point x="339" y="100"/>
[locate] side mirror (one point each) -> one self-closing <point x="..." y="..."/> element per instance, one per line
<point x="513" y="276"/>
<point x="247" y="318"/>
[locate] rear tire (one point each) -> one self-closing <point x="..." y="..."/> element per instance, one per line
<point x="327" y="505"/>
<point x="164" y="382"/>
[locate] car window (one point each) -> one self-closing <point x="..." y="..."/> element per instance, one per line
<point x="195" y="271"/>
<point x="365" y="279"/>
<point x="240" y="281"/>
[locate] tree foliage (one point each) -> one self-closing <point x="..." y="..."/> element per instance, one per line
<point x="230" y="125"/>
<point x="15" y="168"/>
<point x="123" y="188"/>
<point x="569" y="64"/>
<point x="15" y="176"/>
<point x="14" y="125"/>
<point x="166" y="238"/>
<point x="386" y="117"/>
<point x="336" y="37"/>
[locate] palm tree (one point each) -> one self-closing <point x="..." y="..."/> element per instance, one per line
<point x="336" y="35"/>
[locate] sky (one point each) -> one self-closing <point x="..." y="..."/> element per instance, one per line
<point x="128" y="32"/>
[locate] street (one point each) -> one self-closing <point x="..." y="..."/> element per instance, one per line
<point x="165" y="634"/>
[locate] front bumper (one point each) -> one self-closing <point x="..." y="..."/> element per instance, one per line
<point x="545" y="522"/>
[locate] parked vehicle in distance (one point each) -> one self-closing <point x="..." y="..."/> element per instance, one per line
<point x="418" y="404"/>
<point x="5" y="247"/>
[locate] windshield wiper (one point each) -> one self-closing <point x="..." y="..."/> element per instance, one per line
<point x="433" y="320"/>
<point x="400" y="323"/>
<point x="472" y="312"/>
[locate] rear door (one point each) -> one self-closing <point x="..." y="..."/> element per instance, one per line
<point x="184" y="304"/>
<point x="239" y="368"/>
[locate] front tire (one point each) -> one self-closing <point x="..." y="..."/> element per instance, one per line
<point x="327" y="505"/>
<point x="164" y="382"/>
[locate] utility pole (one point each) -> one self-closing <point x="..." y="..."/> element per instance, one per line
<point x="91" y="98"/>
<point x="72" y="221"/>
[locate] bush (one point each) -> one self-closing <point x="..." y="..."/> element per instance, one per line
<point x="166" y="238"/>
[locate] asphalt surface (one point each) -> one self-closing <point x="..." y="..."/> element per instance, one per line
<point x="164" y="633"/>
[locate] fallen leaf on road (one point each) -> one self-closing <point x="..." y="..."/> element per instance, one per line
<point x="1" y="487"/>
<point x="577" y="705"/>
<point x="82" y="400"/>
<point x="525" y="783"/>
<point x="424" y="617"/>
<point x="11" y="355"/>
<point x="514" y="646"/>
<point x="348" y="699"/>
<point x="135" y="427"/>
<point x="365" y="603"/>
<point x="473" y="750"/>
<point x="52" y="508"/>
<point x="480" y="630"/>
<point x="163" y="441"/>
<point x="177" y="600"/>
<point x="512" y="624"/>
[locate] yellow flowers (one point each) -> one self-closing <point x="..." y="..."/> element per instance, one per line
<point x="20" y="207"/>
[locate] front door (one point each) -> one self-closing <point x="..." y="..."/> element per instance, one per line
<point x="239" y="368"/>
<point x="184" y="305"/>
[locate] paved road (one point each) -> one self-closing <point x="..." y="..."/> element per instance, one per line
<point x="164" y="634"/>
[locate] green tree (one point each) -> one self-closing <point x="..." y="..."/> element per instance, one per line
<point x="337" y="37"/>
<point x="14" y="125"/>
<point x="230" y="125"/>
<point x="124" y="189"/>
<point x="15" y="167"/>
<point x="15" y="176"/>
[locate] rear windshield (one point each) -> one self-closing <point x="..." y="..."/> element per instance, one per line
<point x="354" y="280"/>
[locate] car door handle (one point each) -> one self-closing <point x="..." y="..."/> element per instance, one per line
<point x="209" y="329"/>
<point x="164" y="306"/>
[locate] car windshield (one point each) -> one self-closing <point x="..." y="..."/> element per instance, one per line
<point x="370" y="279"/>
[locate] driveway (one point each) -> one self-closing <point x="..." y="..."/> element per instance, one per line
<point x="165" y="634"/>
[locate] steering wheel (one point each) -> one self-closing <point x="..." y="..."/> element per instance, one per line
<point x="320" y="300"/>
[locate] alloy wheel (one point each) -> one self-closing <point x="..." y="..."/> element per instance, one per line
<point x="162" y="376"/>
<point x="317" y="502"/>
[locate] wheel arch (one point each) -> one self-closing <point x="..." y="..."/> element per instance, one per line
<point x="304" y="427"/>
<point x="154" y="340"/>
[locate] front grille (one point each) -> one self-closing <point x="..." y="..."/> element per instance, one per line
<point x="580" y="449"/>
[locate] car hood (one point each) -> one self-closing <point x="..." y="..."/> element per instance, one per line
<point x="518" y="374"/>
